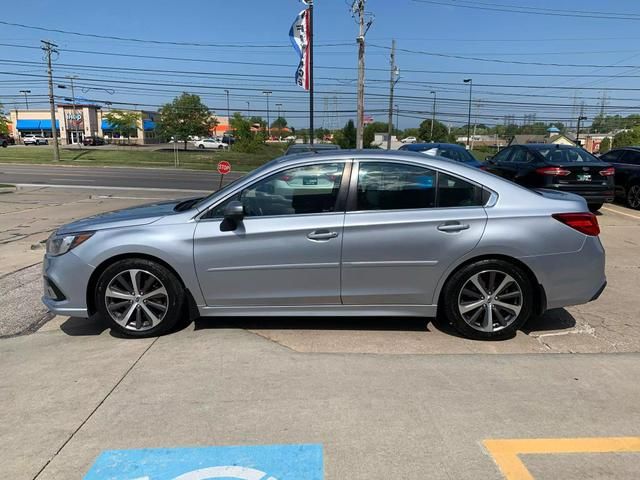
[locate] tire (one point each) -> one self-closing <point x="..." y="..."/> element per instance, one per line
<point x="221" y="147"/>
<point x="201" y="147"/>
<point x="132" y="314"/>
<point x="633" y="196"/>
<point x="594" y="207"/>
<point x="461" y="291"/>
<point x="5" y="144"/>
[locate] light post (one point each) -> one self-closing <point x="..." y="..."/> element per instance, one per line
<point x="248" y="109"/>
<point x="228" y="118"/>
<point x="470" y="82"/>
<point x="433" y="115"/>
<point x="279" y="106"/>
<point x="73" y="103"/>
<point x="397" y="115"/>
<point x="267" y="93"/>
<point x="580" y="118"/>
<point x="26" y="100"/>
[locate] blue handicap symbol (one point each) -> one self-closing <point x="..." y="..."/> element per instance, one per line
<point x="268" y="462"/>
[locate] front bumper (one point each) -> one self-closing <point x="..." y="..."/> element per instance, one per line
<point x="65" y="280"/>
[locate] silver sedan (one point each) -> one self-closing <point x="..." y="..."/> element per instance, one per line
<point x="336" y="233"/>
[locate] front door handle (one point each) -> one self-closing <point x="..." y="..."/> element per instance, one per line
<point x="453" y="227"/>
<point x="322" y="235"/>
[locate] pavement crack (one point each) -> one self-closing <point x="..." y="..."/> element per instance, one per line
<point x="100" y="403"/>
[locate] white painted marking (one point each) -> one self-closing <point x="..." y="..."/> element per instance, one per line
<point x="101" y="187"/>
<point x="241" y="473"/>
<point x="615" y="210"/>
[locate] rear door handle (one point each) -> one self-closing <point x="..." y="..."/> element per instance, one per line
<point x="322" y="235"/>
<point x="453" y="227"/>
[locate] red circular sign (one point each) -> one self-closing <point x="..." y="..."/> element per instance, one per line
<point x="224" y="167"/>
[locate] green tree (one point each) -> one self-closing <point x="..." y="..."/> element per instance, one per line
<point x="241" y="127"/>
<point x="410" y="132"/>
<point x="346" y="137"/>
<point x="625" y="139"/>
<point x="185" y="116"/>
<point x="370" y="131"/>
<point x="605" y="145"/>
<point x="123" y="122"/>
<point x="4" y="122"/>
<point x="440" y="132"/>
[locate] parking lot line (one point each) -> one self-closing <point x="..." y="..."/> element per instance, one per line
<point x="505" y="452"/>
<point x="615" y="210"/>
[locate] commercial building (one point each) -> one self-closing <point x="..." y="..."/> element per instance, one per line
<point x="75" y="122"/>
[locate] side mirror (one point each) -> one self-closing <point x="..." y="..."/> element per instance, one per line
<point x="234" y="211"/>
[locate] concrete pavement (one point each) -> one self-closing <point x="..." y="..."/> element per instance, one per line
<point x="72" y="390"/>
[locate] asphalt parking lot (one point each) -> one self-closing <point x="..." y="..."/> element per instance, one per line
<point x="383" y="398"/>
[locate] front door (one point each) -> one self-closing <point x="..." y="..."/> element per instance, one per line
<point x="405" y="225"/>
<point x="286" y="250"/>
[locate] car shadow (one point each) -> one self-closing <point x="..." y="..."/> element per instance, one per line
<point x="87" y="327"/>
<point x="414" y="324"/>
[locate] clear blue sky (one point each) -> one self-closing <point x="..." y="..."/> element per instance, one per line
<point x="429" y="27"/>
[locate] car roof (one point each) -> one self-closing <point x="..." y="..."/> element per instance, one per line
<point x="541" y="146"/>
<point x="418" y="146"/>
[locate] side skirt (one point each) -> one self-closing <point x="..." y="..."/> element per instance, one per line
<point x="322" y="311"/>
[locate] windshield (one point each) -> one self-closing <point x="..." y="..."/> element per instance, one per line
<point x="456" y="154"/>
<point x="566" y="155"/>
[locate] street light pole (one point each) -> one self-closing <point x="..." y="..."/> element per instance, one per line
<point x="268" y="93"/>
<point x="73" y="102"/>
<point x="248" y="109"/>
<point x="397" y="115"/>
<point x="580" y="118"/>
<point x="470" y="82"/>
<point x="228" y="118"/>
<point x="26" y="100"/>
<point x="433" y="115"/>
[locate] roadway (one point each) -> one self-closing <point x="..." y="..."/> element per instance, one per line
<point x="113" y="177"/>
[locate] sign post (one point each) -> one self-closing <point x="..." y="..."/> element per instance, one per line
<point x="224" y="168"/>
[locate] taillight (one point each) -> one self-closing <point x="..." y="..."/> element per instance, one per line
<point x="586" y="223"/>
<point x="555" y="171"/>
<point x="608" y="172"/>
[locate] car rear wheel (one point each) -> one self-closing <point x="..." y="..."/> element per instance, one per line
<point x="594" y="207"/>
<point x="633" y="196"/>
<point x="488" y="299"/>
<point x="139" y="298"/>
<point x="201" y="146"/>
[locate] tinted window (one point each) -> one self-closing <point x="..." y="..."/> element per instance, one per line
<point x="392" y="186"/>
<point x="454" y="192"/>
<point x="612" y="156"/>
<point x="502" y="157"/>
<point x="300" y="190"/>
<point x="630" y="156"/>
<point x="566" y="155"/>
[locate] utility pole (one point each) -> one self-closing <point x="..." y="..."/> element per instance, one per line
<point x="310" y="47"/>
<point x="470" y="82"/>
<point x="358" y="8"/>
<point x="397" y="115"/>
<point x="267" y="93"/>
<point x="580" y="118"/>
<point x="392" y="84"/>
<point x="73" y="103"/>
<point x="433" y="115"/>
<point x="50" y="48"/>
<point x="26" y="100"/>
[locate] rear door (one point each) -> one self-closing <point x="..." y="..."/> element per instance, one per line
<point x="405" y="224"/>
<point x="499" y="164"/>
<point x="627" y="170"/>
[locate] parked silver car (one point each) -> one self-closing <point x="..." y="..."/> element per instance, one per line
<point x="337" y="233"/>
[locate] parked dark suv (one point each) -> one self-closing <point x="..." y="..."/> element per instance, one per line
<point x="627" y="179"/>
<point x="92" y="141"/>
<point x="6" y="140"/>
<point x="559" y="167"/>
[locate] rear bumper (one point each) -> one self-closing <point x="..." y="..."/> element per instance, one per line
<point x="590" y="194"/>
<point x="571" y="278"/>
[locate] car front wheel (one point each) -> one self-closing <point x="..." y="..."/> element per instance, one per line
<point x="139" y="298"/>
<point x="633" y="196"/>
<point x="201" y="146"/>
<point x="488" y="299"/>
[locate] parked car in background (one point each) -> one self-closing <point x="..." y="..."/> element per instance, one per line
<point x="35" y="140"/>
<point x="92" y="141"/>
<point x="308" y="148"/>
<point x="347" y="233"/>
<point x="558" y="167"/>
<point x="626" y="161"/>
<point x="210" y="143"/>
<point x="228" y="140"/>
<point x="409" y="140"/>
<point x="451" y="151"/>
<point x="6" y="140"/>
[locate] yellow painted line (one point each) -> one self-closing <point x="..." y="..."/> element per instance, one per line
<point x="615" y="210"/>
<point x="505" y="452"/>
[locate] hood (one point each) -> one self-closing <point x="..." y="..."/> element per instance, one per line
<point x="128" y="217"/>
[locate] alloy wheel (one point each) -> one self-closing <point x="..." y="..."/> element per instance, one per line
<point x="490" y="301"/>
<point x="136" y="300"/>
<point x="633" y="196"/>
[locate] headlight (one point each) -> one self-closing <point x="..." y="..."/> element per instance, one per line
<point x="60" y="244"/>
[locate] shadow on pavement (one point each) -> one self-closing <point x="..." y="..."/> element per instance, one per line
<point x="86" y="327"/>
<point x="557" y="319"/>
<point x="315" y="323"/>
